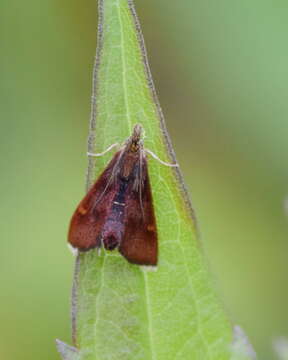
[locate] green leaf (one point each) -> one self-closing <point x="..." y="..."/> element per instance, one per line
<point x="120" y="310"/>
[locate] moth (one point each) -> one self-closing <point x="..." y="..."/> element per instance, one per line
<point x="117" y="212"/>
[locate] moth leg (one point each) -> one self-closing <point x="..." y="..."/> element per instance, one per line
<point x="99" y="248"/>
<point x="73" y="250"/>
<point x="104" y="152"/>
<point x="161" y="161"/>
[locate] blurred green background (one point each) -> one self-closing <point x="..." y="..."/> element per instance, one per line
<point x="220" y="69"/>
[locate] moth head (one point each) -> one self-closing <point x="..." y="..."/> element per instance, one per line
<point x="135" y="141"/>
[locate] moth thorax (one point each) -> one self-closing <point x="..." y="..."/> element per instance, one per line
<point x="134" y="147"/>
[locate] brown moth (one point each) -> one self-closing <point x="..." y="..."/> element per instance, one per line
<point x="117" y="212"/>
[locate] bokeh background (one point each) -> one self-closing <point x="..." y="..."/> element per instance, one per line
<point x="220" y="69"/>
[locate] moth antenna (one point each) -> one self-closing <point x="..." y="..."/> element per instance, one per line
<point x="143" y="135"/>
<point x="112" y="177"/>
<point x="104" y="152"/>
<point x="161" y="161"/>
<point x="140" y="183"/>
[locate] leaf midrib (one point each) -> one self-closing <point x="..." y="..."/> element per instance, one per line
<point x="124" y="66"/>
<point x="125" y="92"/>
